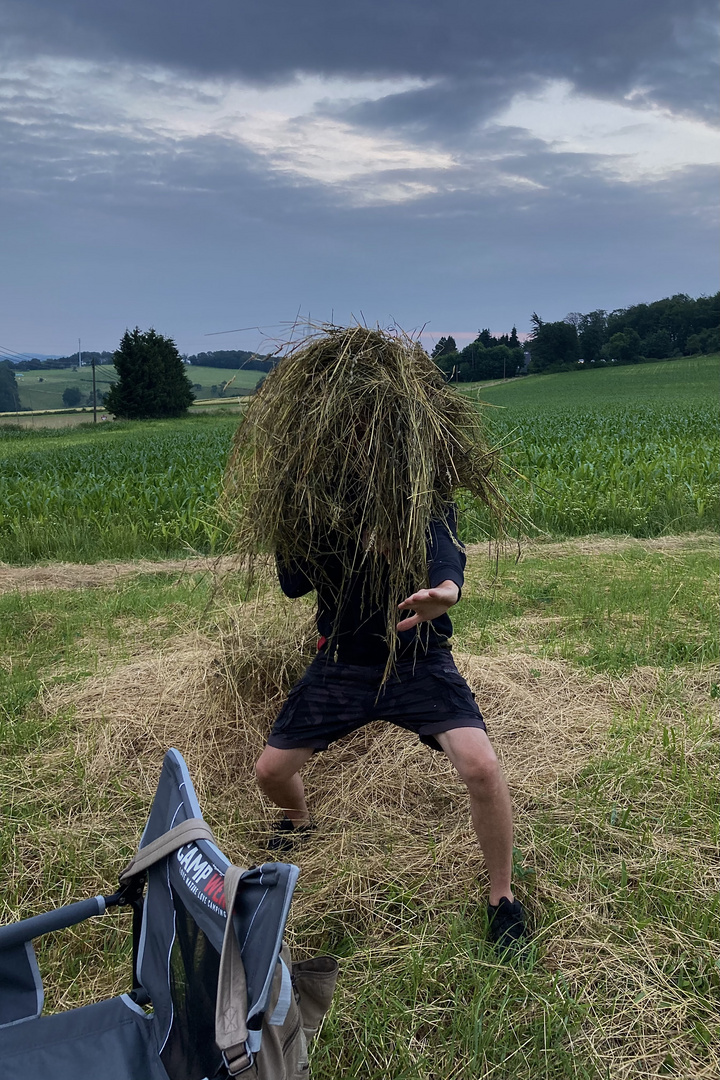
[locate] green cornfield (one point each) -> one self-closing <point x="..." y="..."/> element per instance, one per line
<point x="642" y="470"/>
<point x="124" y="490"/>
<point x="116" y="491"/>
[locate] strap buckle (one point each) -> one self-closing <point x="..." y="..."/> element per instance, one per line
<point x="237" y="1063"/>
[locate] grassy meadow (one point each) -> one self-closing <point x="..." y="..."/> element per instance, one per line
<point x="593" y="656"/>
<point x="44" y="389"/>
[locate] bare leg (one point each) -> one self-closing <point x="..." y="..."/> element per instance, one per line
<point x="278" y="774"/>
<point x="472" y="755"/>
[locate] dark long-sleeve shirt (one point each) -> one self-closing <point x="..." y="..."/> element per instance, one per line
<point x="357" y="633"/>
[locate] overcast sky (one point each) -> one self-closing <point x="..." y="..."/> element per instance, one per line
<point x="245" y="163"/>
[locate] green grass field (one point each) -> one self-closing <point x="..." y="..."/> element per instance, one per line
<point x="632" y="449"/>
<point x="44" y="389"/>
<point x="689" y="380"/>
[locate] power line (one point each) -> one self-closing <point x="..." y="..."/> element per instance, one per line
<point x="12" y="354"/>
<point x="260" y="329"/>
<point x="240" y="330"/>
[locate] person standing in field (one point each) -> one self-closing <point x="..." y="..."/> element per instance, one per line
<point x="345" y="467"/>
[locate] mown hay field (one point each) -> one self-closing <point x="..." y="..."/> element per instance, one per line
<point x="593" y="659"/>
<point x="608" y="737"/>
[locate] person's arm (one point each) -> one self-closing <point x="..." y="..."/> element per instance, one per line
<point x="446" y="565"/>
<point x="293" y="579"/>
<point x="429" y="604"/>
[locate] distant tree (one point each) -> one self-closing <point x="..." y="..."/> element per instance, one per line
<point x="448" y="364"/>
<point x="592" y="332"/>
<point x="659" y="345"/>
<point x="152" y="381"/>
<point x="71" y="397"/>
<point x="9" y="395"/>
<point x="444" y="346"/>
<point x="625" y="348"/>
<point x="552" y="345"/>
<point x="498" y="363"/>
<point x="485" y="338"/>
<point x="707" y="341"/>
<point x="472" y="360"/>
<point x="513" y="340"/>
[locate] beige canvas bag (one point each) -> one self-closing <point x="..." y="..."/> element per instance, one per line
<point x="283" y="1054"/>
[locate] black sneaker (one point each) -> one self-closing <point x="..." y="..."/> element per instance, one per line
<point x="507" y="928"/>
<point x="284" y="835"/>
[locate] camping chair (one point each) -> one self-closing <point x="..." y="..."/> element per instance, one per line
<point x="212" y="996"/>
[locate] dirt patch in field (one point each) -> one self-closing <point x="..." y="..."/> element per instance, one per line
<point x="87" y="576"/>
<point x="603" y="545"/>
<point x="80" y="575"/>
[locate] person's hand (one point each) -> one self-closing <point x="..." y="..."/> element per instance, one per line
<point x="428" y="604"/>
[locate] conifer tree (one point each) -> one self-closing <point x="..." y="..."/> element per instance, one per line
<point x="152" y="383"/>
<point x="9" y="396"/>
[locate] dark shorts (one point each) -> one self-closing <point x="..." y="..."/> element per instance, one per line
<point x="427" y="696"/>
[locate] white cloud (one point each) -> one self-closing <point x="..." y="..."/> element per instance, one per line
<point x="637" y="142"/>
<point x="287" y="127"/>
<point x="300" y="130"/>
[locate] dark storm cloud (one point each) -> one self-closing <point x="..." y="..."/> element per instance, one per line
<point x="124" y="202"/>
<point x="664" y="47"/>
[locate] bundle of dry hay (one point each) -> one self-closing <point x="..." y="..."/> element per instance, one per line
<point x="352" y="446"/>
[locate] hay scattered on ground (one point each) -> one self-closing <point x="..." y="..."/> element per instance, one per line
<point x="395" y="859"/>
<point x="604" y="545"/>
<point x="80" y="575"/>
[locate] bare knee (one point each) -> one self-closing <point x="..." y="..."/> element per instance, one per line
<point x="471" y="753"/>
<point x="263" y="770"/>
<point x="268" y="769"/>
<point x="278" y="766"/>
<point x="480" y="772"/>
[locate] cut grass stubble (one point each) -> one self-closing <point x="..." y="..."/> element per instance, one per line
<point x="614" y="852"/>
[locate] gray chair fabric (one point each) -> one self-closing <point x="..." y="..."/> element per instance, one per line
<point x="177" y="960"/>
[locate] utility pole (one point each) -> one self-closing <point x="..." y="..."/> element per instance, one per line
<point x="92" y="364"/>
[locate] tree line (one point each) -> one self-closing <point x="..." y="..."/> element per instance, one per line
<point x="57" y="363"/>
<point x="234" y="359"/>
<point x="673" y="327"/>
<point x="488" y="357"/>
<point x="153" y="376"/>
<point x="676" y="326"/>
<point x="224" y="358"/>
